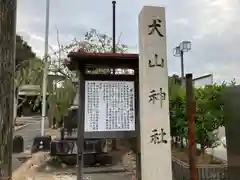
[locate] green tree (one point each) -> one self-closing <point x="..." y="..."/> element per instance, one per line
<point x="23" y="52"/>
<point x="209" y="114"/>
<point x="31" y="73"/>
<point x="60" y="99"/>
<point x="177" y="109"/>
<point x="174" y="80"/>
<point x="28" y="67"/>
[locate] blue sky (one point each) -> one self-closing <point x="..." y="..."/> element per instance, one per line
<point x="213" y="26"/>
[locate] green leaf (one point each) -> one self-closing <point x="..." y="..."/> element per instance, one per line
<point x="209" y="113"/>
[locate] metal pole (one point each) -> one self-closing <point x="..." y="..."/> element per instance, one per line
<point x="114" y="49"/>
<point x="182" y="68"/>
<point x="114" y="30"/>
<point x="80" y="124"/>
<point x="45" y="70"/>
<point x="191" y="128"/>
<point x="8" y="11"/>
<point x="114" y="27"/>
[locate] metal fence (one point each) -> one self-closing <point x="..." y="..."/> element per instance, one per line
<point x="207" y="172"/>
<point x="204" y="179"/>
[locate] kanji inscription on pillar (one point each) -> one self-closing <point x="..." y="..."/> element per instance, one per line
<point x="153" y="93"/>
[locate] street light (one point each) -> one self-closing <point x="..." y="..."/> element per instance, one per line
<point x="178" y="51"/>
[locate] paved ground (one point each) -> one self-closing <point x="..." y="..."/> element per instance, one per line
<point x="28" y="133"/>
<point x="70" y="174"/>
<point x="113" y="176"/>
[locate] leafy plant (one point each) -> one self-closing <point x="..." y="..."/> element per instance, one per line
<point x="60" y="99"/>
<point x="31" y="74"/>
<point x="209" y="115"/>
<point x="177" y="110"/>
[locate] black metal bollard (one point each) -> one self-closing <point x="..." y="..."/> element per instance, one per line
<point x="41" y="143"/>
<point x="18" y="144"/>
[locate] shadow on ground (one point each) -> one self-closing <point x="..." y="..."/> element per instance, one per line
<point x="61" y="171"/>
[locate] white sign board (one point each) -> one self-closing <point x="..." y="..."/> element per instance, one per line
<point x="153" y="93"/>
<point x="109" y="106"/>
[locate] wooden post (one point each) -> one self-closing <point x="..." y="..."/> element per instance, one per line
<point x="7" y="69"/>
<point x="191" y="128"/>
<point x="153" y="93"/>
<point x="80" y="124"/>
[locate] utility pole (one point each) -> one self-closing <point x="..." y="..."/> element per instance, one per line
<point x="45" y="70"/>
<point x="7" y="70"/>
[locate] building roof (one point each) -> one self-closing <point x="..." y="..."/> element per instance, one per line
<point x="120" y="60"/>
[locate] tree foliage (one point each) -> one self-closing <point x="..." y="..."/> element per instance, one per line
<point x="209" y="113"/>
<point x="23" y="52"/>
<point x="31" y="73"/>
<point x="94" y="41"/>
<point x="28" y="66"/>
<point x="60" y="99"/>
<point x="177" y="110"/>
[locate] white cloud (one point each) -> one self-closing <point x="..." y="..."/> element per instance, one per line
<point x="212" y="26"/>
<point x="181" y="21"/>
<point x="216" y="16"/>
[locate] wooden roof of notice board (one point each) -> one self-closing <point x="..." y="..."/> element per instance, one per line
<point x="119" y="60"/>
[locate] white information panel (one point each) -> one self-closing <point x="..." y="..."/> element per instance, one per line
<point x="109" y="106"/>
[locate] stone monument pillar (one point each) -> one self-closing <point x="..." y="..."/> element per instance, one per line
<point x="153" y="93"/>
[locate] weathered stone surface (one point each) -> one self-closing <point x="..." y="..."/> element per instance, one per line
<point x="153" y="93"/>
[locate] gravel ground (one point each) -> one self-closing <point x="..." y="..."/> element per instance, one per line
<point x="63" y="176"/>
<point x="69" y="173"/>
